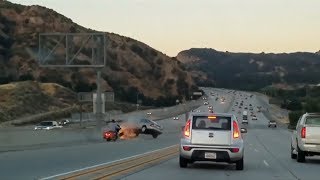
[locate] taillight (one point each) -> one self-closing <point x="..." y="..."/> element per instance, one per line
<point x="236" y="132"/>
<point x="303" y="132"/>
<point x="186" y="148"/>
<point x="235" y="150"/>
<point x="186" y="131"/>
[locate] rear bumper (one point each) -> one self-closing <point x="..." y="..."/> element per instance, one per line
<point x="311" y="148"/>
<point x="223" y="153"/>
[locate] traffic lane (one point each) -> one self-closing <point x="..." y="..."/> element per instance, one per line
<point x="260" y="161"/>
<point x="259" y="164"/>
<point x="277" y="142"/>
<point x="46" y="162"/>
<point x="11" y="137"/>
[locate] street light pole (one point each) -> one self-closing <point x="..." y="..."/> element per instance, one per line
<point x="137" y="100"/>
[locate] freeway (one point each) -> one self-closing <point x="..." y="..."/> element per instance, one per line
<point x="267" y="154"/>
<point x="38" y="163"/>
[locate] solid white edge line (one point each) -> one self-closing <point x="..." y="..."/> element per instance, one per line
<point x="110" y="162"/>
<point x="265" y="162"/>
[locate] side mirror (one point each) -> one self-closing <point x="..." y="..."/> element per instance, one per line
<point x="244" y="130"/>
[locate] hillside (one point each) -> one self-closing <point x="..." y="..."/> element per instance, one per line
<point x="251" y="71"/>
<point x="28" y="98"/>
<point x="132" y="66"/>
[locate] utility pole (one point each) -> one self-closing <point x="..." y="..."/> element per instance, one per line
<point x="137" y="101"/>
<point x="99" y="100"/>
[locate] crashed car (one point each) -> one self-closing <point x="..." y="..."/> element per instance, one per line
<point x="150" y="127"/>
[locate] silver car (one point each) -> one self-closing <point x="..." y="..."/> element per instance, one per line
<point x="212" y="137"/>
<point x="305" y="139"/>
<point x="150" y="127"/>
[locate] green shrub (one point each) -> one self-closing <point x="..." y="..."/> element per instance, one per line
<point x="294" y="118"/>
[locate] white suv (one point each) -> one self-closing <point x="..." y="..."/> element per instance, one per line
<point x="212" y="137"/>
<point x="305" y="139"/>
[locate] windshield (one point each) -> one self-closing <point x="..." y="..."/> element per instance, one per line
<point x="214" y="123"/>
<point x="313" y="120"/>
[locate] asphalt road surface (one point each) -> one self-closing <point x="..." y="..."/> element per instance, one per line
<point x="267" y="154"/>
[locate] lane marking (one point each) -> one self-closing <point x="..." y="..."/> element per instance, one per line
<point x="266" y="163"/>
<point x="102" y="164"/>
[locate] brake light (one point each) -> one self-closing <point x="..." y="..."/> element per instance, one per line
<point x="186" y="131"/>
<point x="235" y="150"/>
<point x="212" y="117"/>
<point x="236" y="132"/>
<point x="303" y="132"/>
<point x="186" y="148"/>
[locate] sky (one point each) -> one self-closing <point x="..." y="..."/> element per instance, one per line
<point x="171" y="26"/>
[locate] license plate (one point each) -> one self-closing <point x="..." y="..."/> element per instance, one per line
<point x="209" y="155"/>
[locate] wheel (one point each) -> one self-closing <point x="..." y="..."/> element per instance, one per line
<point x="239" y="164"/>
<point x="143" y="129"/>
<point x="301" y="157"/>
<point x="183" y="162"/>
<point x="108" y="139"/>
<point x="293" y="156"/>
<point x="154" y="136"/>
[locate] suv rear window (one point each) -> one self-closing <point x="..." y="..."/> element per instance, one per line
<point x="212" y="123"/>
<point x="313" y="120"/>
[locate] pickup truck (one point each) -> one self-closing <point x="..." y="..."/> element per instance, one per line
<point x="47" y="125"/>
<point x="305" y="139"/>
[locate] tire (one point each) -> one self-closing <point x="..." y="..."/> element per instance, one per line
<point x="239" y="164"/>
<point x="293" y="156"/>
<point x="183" y="162"/>
<point x="301" y="156"/>
<point x="154" y="136"/>
<point x="108" y="139"/>
<point x="143" y="129"/>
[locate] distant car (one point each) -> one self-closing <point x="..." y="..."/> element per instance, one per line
<point x="198" y="110"/>
<point x="212" y="138"/>
<point x="149" y="113"/>
<point x="272" y="124"/>
<point x="210" y="111"/>
<point x="246" y="107"/>
<point x="148" y="126"/>
<point x="254" y="117"/>
<point x="245" y="121"/>
<point x="210" y="107"/>
<point x="206" y="103"/>
<point x="305" y="140"/>
<point x="250" y="104"/>
<point x="47" y="125"/>
<point x="176" y="118"/>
